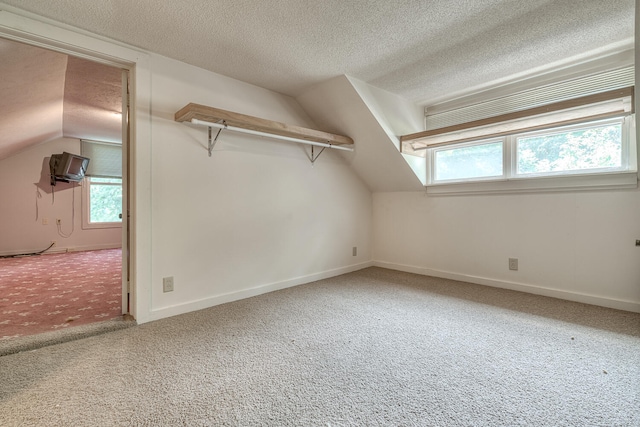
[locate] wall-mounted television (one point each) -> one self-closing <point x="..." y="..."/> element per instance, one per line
<point x="67" y="167"/>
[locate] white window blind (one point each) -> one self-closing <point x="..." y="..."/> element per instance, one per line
<point x="586" y="113"/>
<point x="562" y="91"/>
<point x="105" y="158"/>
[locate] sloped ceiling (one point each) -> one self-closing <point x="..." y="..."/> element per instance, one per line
<point x="31" y="96"/>
<point x="92" y="101"/>
<point x="336" y="105"/>
<point x="46" y="95"/>
<point x="420" y="50"/>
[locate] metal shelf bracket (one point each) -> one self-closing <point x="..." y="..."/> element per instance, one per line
<point x="212" y="143"/>
<point x="313" y="157"/>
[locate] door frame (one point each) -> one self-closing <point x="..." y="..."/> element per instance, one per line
<point x="32" y="29"/>
<point x="125" y="213"/>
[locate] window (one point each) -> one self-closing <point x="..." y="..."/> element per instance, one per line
<point x="568" y="134"/>
<point x="103" y="202"/>
<point x="596" y="152"/>
<point x="102" y="193"/>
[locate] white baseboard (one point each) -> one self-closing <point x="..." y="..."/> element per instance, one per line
<point x="85" y="248"/>
<point x="64" y="249"/>
<point x="200" y="304"/>
<point x="531" y="289"/>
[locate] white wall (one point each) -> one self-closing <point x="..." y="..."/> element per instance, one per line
<point x="578" y="246"/>
<point x="255" y="216"/>
<point x="573" y="245"/>
<point x="25" y="205"/>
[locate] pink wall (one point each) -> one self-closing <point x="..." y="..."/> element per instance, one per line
<point x="28" y="202"/>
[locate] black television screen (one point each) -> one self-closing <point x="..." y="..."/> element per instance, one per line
<point x="67" y="167"/>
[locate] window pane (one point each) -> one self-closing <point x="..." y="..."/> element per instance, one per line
<point x="592" y="148"/>
<point x="476" y="161"/>
<point x="105" y="202"/>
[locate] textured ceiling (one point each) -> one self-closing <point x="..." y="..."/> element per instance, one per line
<point x="418" y="49"/>
<point x="92" y="101"/>
<point x="31" y="96"/>
<point x="421" y="50"/>
<point x="46" y="95"/>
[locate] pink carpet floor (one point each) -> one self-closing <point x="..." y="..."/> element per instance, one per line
<point x="47" y="292"/>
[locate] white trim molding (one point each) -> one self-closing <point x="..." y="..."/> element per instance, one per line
<point x="632" y="306"/>
<point x="200" y="304"/>
<point x="65" y="249"/>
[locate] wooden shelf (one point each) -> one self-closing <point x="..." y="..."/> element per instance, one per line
<point x="216" y="115"/>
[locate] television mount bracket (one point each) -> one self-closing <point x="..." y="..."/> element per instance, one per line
<point x="52" y="167"/>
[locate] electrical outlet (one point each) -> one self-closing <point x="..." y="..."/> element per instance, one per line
<point x="355" y="251"/>
<point x="513" y="264"/>
<point x="167" y="284"/>
<point x="45" y="221"/>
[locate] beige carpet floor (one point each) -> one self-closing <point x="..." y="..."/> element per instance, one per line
<point x="370" y="348"/>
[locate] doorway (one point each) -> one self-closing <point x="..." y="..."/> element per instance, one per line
<point x="57" y="101"/>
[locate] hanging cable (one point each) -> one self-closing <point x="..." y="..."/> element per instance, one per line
<point x="28" y="254"/>
<point x="38" y="196"/>
<point x="73" y="215"/>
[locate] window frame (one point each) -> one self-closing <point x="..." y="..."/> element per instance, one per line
<point x="624" y="148"/>
<point x="86" y="206"/>
<point x="625" y="176"/>
<point x="485" y="141"/>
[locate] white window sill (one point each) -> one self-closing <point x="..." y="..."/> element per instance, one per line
<point x="619" y="180"/>
<point x="89" y="226"/>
